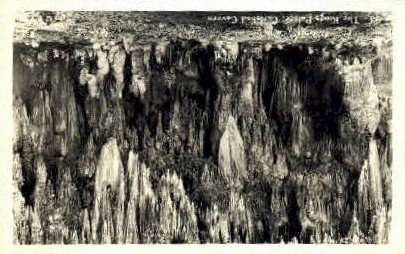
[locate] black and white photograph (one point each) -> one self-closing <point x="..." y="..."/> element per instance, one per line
<point x="202" y="127"/>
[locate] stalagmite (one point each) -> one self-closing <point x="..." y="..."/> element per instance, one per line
<point x="177" y="214"/>
<point x="280" y="168"/>
<point x="87" y="162"/>
<point x="239" y="219"/>
<point x="244" y="133"/>
<point x="86" y="235"/>
<point x="217" y="225"/>
<point x="231" y="157"/>
<point x="142" y="202"/>
<point x="354" y="234"/>
<point x="40" y="195"/>
<point x="131" y="227"/>
<point x="37" y="232"/>
<point x="109" y="180"/>
<point x="19" y="209"/>
<point x="370" y="190"/>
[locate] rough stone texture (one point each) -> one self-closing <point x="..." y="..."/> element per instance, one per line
<point x="129" y="131"/>
<point x="361" y="96"/>
<point x="232" y="165"/>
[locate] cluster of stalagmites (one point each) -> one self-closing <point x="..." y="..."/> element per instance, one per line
<point x="191" y="142"/>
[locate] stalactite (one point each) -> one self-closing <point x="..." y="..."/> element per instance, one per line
<point x="103" y="66"/>
<point x="21" y="123"/>
<point x="361" y="96"/>
<point x="117" y="57"/>
<point x="139" y="71"/>
<point x="248" y="82"/>
<point x="253" y="128"/>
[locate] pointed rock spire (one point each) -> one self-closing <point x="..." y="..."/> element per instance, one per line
<point x="231" y="157"/>
<point x="109" y="181"/>
<point x="370" y="188"/>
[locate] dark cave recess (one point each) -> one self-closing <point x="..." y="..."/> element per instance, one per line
<point x="243" y="141"/>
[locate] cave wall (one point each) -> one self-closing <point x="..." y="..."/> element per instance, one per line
<point x="185" y="141"/>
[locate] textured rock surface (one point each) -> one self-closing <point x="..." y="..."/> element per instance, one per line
<point x="185" y="136"/>
<point x="231" y="158"/>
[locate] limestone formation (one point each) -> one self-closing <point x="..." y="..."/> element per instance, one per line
<point x="146" y="130"/>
